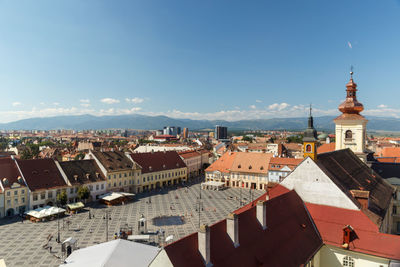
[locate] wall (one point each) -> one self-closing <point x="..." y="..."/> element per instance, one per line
<point x="314" y="186"/>
<point x="330" y="256"/>
<point x="358" y="129"/>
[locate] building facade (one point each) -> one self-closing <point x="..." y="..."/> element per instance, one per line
<point x="241" y="169"/>
<point x="119" y="170"/>
<point x="159" y="170"/>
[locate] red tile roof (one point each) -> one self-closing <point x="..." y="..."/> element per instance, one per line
<point x="158" y="161"/>
<point x="290" y="231"/>
<point x="9" y="170"/>
<point x="326" y="148"/>
<point x="330" y="222"/>
<point x="189" y="154"/>
<point x="41" y="174"/>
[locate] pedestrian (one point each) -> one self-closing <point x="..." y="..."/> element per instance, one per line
<point x="90" y="230"/>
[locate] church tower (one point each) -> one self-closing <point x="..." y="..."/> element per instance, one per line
<point x="350" y="125"/>
<point x="310" y="140"/>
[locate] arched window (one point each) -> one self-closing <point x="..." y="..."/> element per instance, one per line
<point x="308" y="148"/>
<point x="348" y="134"/>
<point x="348" y="261"/>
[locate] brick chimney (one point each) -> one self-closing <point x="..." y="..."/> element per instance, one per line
<point x="361" y="196"/>
<point x="232" y="228"/>
<point x="261" y="213"/>
<point x="203" y="237"/>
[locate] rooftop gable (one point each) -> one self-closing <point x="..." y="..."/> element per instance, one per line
<point x="41" y="174"/>
<point x="348" y="172"/>
<point x="290" y="231"/>
<point x="158" y="161"/>
<point x="82" y="171"/>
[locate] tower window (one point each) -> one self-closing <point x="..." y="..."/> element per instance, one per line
<point x="348" y="134"/>
<point x="308" y="148"/>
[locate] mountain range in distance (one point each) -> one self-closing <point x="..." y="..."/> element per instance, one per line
<point x="144" y="122"/>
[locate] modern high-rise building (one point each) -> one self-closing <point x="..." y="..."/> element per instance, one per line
<point x="221" y="132"/>
<point x="185" y="132"/>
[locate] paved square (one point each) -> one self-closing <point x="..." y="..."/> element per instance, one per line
<point x="22" y="243"/>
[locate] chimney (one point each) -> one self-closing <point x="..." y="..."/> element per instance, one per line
<point x="261" y="213"/>
<point x="361" y="196"/>
<point x="203" y="237"/>
<point x="232" y="228"/>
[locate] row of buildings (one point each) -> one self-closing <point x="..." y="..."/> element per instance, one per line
<point x="29" y="184"/>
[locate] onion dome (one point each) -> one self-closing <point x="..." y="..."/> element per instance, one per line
<point x="351" y="105"/>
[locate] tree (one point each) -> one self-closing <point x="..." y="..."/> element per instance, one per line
<point x="62" y="198"/>
<point x="247" y="138"/>
<point x="80" y="156"/>
<point x="83" y="193"/>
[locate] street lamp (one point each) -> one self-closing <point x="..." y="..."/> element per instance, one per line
<point x="107" y="217"/>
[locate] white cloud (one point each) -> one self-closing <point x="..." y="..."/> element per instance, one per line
<point x="109" y="100"/>
<point x="253" y="106"/>
<point x="135" y="100"/>
<point x="56" y="104"/>
<point x="382" y="106"/>
<point x="258" y="101"/>
<point x="16" y="104"/>
<point x="85" y="103"/>
<point x="277" y="106"/>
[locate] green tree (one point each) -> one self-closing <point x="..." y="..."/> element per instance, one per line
<point x="80" y="156"/>
<point x="62" y="198"/>
<point x="247" y="138"/>
<point x="83" y="193"/>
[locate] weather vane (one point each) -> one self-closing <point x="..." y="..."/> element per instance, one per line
<point x="310" y="109"/>
<point x="351" y="71"/>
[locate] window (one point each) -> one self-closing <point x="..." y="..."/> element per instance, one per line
<point x="119" y="183"/>
<point x="109" y="177"/>
<point x="102" y="186"/>
<point x="115" y="176"/>
<point x="35" y="197"/>
<point x="50" y="194"/>
<point x="120" y="176"/>
<point x="43" y="195"/>
<point x="348" y="261"/>
<point x="97" y="187"/>
<point x="125" y="175"/>
<point x="23" y="191"/>
<point x="115" y="184"/>
<point x="16" y="201"/>
<point x="348" y="134"/>
<point x="394" y="209"/>
<point x="91" y="187"/>
<point x="308" y="148"/>
<point x="109" y="185"/>
<point x="8" y="193"/>
<point x="71" y="191"/>
<point x="23" y="200"/>
<point x="76" y="189"/>
<point x="138" y="181"/>
<point x="15" y="192"/>
<point x="125" y="182"/>
<point x="8" y="202"/>
<point x="144" y="179"/>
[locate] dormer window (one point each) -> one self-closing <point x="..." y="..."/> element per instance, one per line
<point x="239" y="166"/>
<point x="250" y="167"/>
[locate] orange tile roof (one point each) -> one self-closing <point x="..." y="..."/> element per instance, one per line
<point x="326" y="148"/>
<point x="281" y="162"/>
<point x="390" y="152"/>
<point x="251" y="162"/>
<point x="224" y="163"/>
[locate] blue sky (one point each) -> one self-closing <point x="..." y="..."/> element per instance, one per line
<point x="197" y="59"/>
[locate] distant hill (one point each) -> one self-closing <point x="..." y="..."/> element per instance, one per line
<point x="158" y="122"/>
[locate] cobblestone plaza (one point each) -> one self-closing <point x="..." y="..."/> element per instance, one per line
<point x="22" y="243"/>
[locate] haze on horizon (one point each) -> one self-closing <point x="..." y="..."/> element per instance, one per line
<point x="201" y="60"/>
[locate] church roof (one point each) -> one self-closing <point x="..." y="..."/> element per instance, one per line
<point x="348" y="172"/>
